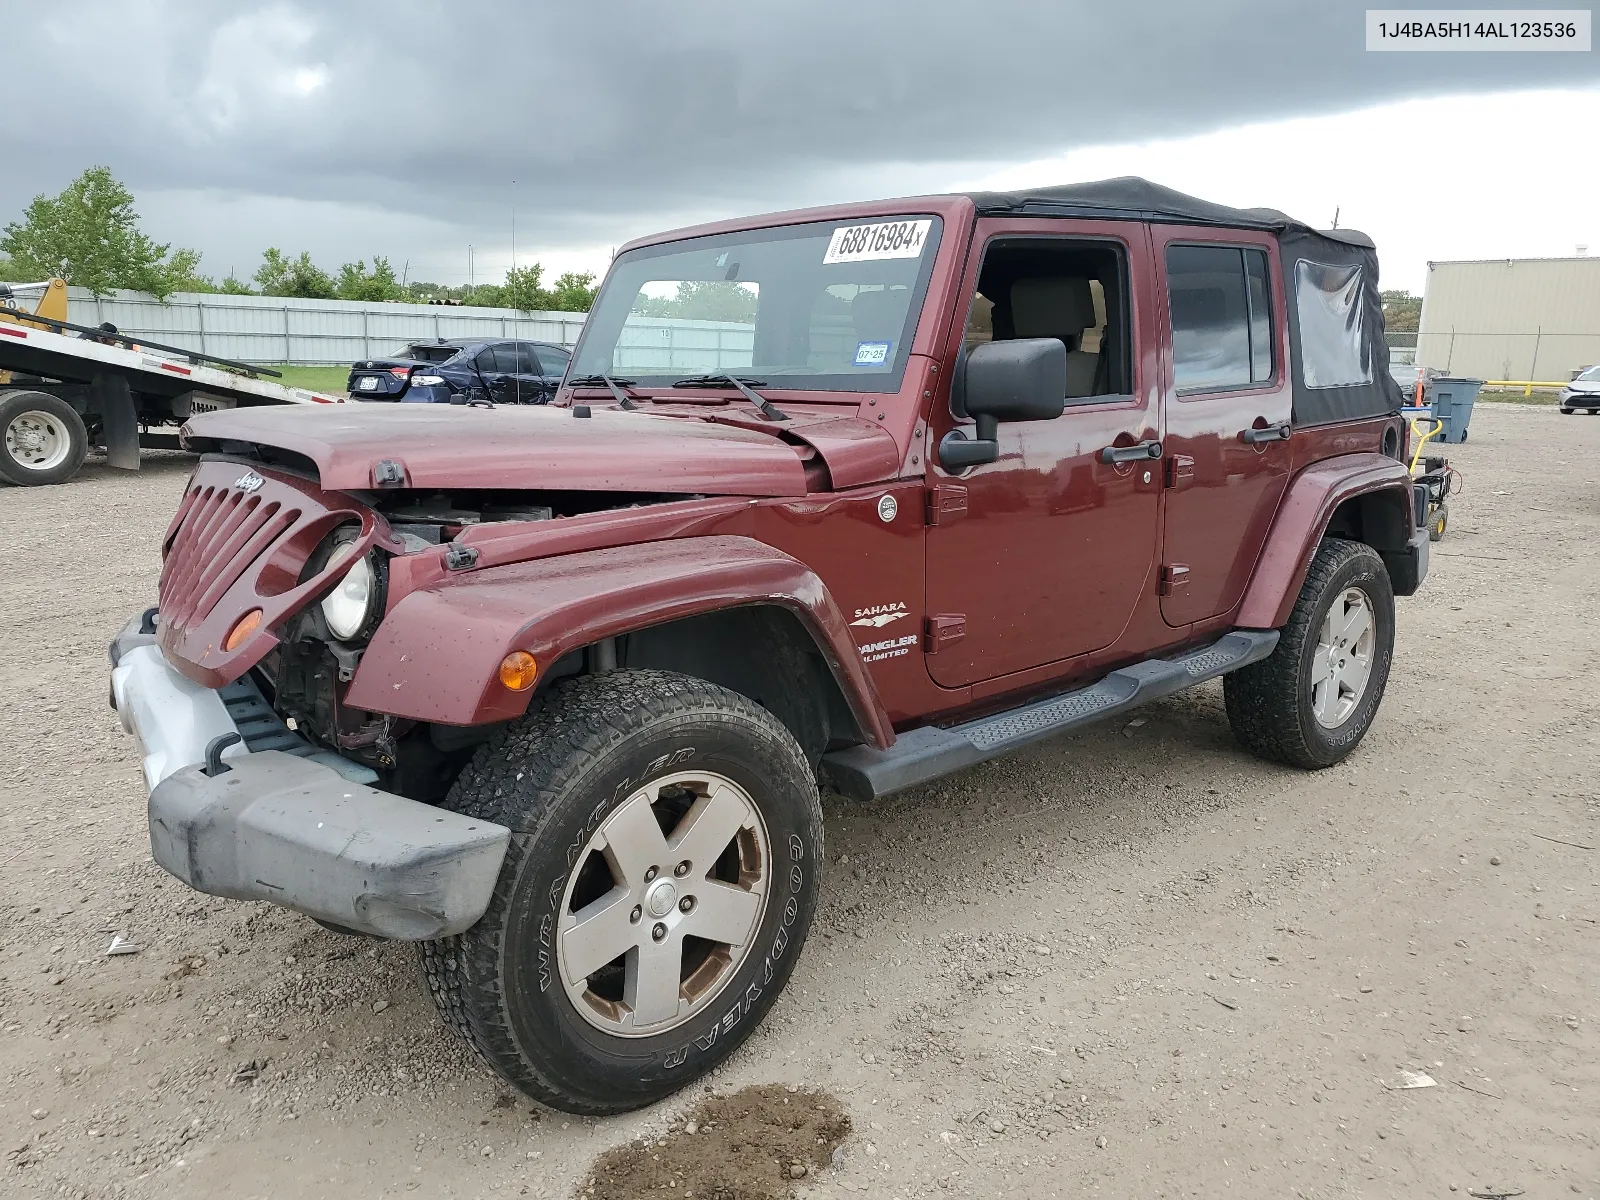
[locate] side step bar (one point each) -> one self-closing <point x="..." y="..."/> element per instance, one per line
<point x="920" y="755"/>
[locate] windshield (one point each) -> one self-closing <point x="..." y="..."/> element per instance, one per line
<point x="1592" y="373"/>
<point x="829" y="306"/>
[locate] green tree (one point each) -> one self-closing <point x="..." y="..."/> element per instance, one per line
<point x="89" y="234"/>
<point x="355" y="282"/>
<point x="703" y="300"/>
<point x="234" y="286"/>
<point x="280" y="275"/>
<point x="522" y="290"/>
<point x="1401" y="311"/>
<point x="573" y="292"/>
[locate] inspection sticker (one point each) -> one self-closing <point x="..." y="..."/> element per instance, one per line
<point x="890" y="239"/>
<point x="872" y="354"/>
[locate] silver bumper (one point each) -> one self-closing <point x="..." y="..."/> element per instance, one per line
<point x="280" y="828"/>
<point x="294" y="829"/>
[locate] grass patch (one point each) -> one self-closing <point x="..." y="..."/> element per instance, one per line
<point x="1515" y="396"/>
<point x="317" y="379"/>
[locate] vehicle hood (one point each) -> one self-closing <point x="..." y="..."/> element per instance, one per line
<point x="1584" y="386"/>
<point x="442" y="446"/>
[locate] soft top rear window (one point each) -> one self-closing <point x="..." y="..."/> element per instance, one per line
<point x="827" y="306"/>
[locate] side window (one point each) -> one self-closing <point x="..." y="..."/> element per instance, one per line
<point x="486" y="361"/>
<point x="1333" y="345"/>
<point x="552" y="361"/>
<point x="1219" y="303"/>
<point x="1064" y="288"/>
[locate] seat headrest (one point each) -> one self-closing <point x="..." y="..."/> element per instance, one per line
<point x="879" y="315"/>
<point x="1051" y="306"/>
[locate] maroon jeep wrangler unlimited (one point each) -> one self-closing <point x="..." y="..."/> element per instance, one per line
<point x="854" y="497"/>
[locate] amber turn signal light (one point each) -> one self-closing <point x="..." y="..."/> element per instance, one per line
<point x="518" y="670"/>
<point x="242" y="629"/>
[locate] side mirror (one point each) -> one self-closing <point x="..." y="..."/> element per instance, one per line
<point x="1022" y="379"/>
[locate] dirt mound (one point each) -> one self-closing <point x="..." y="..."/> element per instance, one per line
<point x="753" y="1145"/>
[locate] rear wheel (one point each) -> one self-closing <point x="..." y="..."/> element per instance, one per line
<point x="1311" y="701"/>
<point x="660" y="881"/>
<point x="42" y="439"/>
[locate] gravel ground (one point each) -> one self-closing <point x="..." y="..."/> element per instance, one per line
<point x="1133" y="962"/>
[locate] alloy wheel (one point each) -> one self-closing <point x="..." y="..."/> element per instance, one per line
<point x="1342" y="663"/>
<point x="663" y="904"/>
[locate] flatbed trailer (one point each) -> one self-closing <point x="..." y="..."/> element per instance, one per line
<point x="65" y="388"/>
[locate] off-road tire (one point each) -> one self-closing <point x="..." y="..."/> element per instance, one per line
<point x="553" y="777"/>
<point x="14" y="404"/>
<point x="1269" y="702"/>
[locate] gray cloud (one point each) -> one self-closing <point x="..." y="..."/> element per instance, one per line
<point x="623" y="116"/>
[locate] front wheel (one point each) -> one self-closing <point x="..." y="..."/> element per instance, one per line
<point x="1310" y="701"/>
<point x="661" y="878"/>
<point x="42" y="439"/>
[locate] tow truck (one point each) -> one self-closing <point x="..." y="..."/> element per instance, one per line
<point x="65" y="388"/>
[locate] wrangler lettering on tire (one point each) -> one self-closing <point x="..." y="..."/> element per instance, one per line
<point x="657" y="890"/>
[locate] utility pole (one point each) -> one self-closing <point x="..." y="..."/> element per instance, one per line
<point x="1335" y="217"/>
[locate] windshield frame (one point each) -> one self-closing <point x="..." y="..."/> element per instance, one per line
<point x="836" y="383"/>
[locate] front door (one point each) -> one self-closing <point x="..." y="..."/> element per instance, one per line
<point x="1043" y="554"/>
<point x="1228" y="405"/>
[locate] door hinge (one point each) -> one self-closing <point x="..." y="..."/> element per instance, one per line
<point x="1180" y="471"/>
<point x="1173" y="577"/>
<point x="947" y="503"/>
<point x="944" y="629"/>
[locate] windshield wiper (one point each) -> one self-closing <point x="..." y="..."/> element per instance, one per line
<point x="769" y="410"/>
<point x="614" y="386"/>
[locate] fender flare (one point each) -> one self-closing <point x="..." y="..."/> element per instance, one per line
<point x="436" y="656"/>
<point x="1308" y="505"/>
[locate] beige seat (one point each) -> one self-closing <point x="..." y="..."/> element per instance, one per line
<point x="1062" y="308"/>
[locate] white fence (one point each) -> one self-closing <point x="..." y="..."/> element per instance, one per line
<point x="273" y="329"/>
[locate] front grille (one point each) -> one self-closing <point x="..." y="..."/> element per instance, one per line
<point x="220" y="533"/>
<point x="241" y="540"/>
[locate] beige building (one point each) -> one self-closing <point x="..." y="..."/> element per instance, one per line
<point x="1512" y="318"/>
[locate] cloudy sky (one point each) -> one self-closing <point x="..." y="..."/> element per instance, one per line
<point x="413" y="128"/>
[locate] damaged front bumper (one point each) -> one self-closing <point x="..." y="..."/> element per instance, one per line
<point x="278" y="820"/>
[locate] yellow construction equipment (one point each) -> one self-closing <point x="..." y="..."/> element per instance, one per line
<point x="51" y="303"/>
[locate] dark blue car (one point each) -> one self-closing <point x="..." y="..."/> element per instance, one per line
<point x="507" y="371"/>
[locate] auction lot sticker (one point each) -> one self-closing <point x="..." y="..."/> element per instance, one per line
<point x="889" y="239"/>
<point x="1474" y="29"/>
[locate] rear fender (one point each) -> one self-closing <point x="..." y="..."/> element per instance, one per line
<point x="436" y="657"/>
<point x="1334" y="486"/>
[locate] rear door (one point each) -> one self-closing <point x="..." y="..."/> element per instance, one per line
<point x="494" y="363"/>
<point x="1228" y="402"/>
<point x="552" y="369"/>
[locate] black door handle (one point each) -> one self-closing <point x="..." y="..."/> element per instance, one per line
<point x="1138" y="452"/>
<point x="1272" y="433"/>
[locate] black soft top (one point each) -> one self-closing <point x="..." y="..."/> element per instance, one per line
<point x="1341" y="361"/>
<point x="1130" y="198"/>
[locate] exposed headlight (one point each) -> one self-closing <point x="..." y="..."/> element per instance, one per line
<point x="350" y="605"/>
<point x="426" y="380"/>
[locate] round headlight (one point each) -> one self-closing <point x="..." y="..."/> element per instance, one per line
<point x="348" y="607"/>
